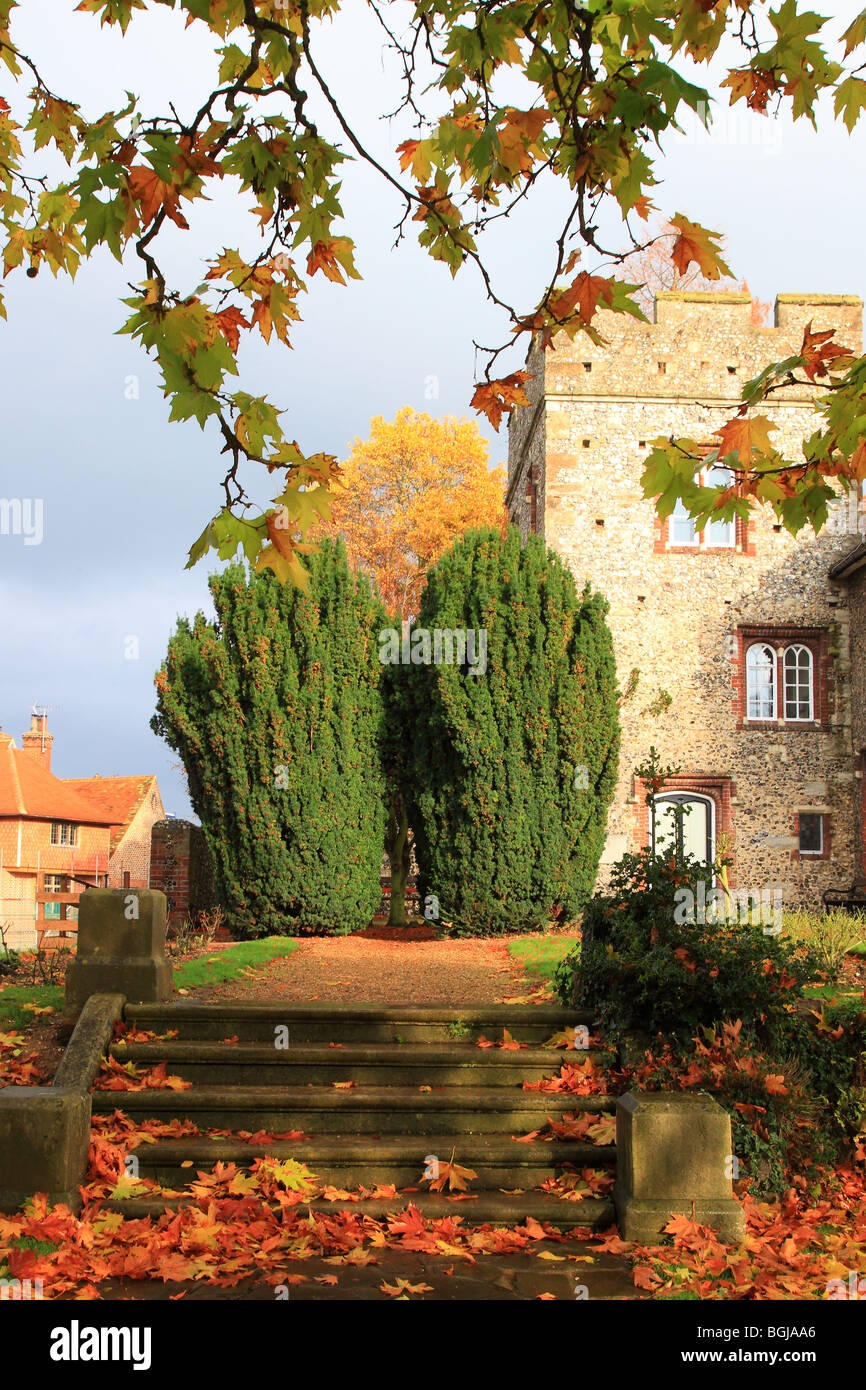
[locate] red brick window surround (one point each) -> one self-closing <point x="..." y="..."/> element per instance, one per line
<point x="812" y="828"/>
<point x="677" y="534"/>
<point x="718" y="790"/>
<point x="781" y="678"/>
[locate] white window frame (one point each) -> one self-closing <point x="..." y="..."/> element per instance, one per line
<point x="779" y="689"/>
<point x="812" y="853"/>
<point x="66" y="833"/>
<point x="700" y="539"/>
<point x="683" y="796"/>
<point x="798" y="718"/>
<point x="763" y="646"/>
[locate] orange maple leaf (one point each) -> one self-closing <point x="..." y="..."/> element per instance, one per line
<point x="820" y="354"/>
<point x="774" y="1084"/>
<point x="746" y="437"/>
<point x="152" y="195"/>
<point x="403" y="1287"/>
<point x="452" y="1174"/>
<point x="695" y="243"/>
<point x="230" y="322"/>
<point x="493" y="398"/>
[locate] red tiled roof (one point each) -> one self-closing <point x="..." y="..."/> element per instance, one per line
<point x="28" y="792"/>
<point x="116" y="798"/>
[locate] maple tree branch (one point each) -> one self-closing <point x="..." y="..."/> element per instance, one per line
<point x="42" y="85"/>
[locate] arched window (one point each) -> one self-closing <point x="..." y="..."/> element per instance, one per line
<point x="684" y="822"/>
<point x="760" y="682"/>
<point x="797" y="668"/>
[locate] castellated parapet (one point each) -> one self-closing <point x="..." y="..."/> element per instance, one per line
<point x="684" y="615"/>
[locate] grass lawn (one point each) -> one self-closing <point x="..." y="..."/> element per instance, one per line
<point x="14" y="997"/>
<point x="540" y="955"/>
<point x="231" y="963"/>
<point x="209" y="969"/>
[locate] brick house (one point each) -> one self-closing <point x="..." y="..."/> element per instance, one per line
<point x="133" y="805"/>
<point x="59" y="835"/>
<point x="734" y="646"/>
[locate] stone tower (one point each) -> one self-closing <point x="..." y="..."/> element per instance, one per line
<point x="738" y="635"/>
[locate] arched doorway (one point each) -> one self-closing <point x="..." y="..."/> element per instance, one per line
<point x="684" y="822"/>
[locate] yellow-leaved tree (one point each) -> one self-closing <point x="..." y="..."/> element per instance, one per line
<point x="408" y="491"/>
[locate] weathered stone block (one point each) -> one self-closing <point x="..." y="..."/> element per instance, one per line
<point x="44" y="1137"/>
<point x="121" y="947"/>
<point x="89" y="1042"/>
<point x="674" y="1158"/>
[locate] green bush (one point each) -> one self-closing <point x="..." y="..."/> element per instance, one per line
<point x="831" y="935"/>
<point x="514" y="767"/>
<point x="276" y="712"/>
<point x="644" y="967"/>
<point x="784" y="1118"/>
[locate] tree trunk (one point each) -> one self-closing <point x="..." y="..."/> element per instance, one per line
<point x="397" y="849"/>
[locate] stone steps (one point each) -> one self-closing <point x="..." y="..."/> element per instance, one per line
<point x="375" y="1093"/>
<point x="372" y="1064"/>
<point x="324" y="1022"/>
<point x="362" y="1110"/>
<point x="495" y="1208"/>
<point x="348" y="1161"/>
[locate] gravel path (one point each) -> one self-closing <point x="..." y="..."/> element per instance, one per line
<point x="352" y="969"/>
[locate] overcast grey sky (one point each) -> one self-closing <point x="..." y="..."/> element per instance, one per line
<point x="125" y="493"/>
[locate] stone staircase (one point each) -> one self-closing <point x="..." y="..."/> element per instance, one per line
<point x="422" y="1087"/>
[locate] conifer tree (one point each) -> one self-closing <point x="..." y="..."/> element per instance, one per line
<point x="276" y="712"/>
<point x="514" y="765"/>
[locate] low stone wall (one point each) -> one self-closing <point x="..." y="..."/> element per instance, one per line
<point x="45" y="1130"/>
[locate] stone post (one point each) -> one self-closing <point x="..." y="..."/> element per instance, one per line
<point x="674" y="1159"/>
<point x="121" y="947"/>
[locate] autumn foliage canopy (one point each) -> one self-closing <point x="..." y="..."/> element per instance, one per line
<point x="406" y="493"/>
<point x="601" y="89"/>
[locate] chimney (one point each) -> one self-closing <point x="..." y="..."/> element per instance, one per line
<point x="37" y="741"/>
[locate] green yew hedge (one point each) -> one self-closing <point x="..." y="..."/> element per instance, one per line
<point x="276" y="712"/>
<point x="512" y="771"/>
